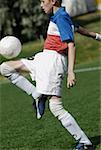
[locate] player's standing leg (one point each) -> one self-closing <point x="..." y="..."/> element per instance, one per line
<point x="69" y="123"/>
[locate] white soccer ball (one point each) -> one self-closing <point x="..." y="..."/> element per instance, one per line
<point x="10" y="47"/>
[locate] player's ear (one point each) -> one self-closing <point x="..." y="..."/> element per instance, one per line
<point x="53" y="1"/>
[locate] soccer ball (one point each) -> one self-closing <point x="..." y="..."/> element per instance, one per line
<point x="10" y="47"/>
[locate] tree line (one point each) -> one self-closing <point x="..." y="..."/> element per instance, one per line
<point x="23" y="19"/>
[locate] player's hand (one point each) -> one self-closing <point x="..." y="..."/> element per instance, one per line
<point x="71" y="80"/>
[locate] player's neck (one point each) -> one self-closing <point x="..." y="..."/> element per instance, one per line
<point x="55" y="9"/>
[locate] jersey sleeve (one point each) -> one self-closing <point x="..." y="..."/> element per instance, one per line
<point x="76" y="26"/>
<point x="65" y="29"/>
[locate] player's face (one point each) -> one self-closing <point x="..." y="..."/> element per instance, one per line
<point x="47" y="5"/>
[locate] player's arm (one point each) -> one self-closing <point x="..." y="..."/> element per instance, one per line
<point x="71" y="62"/>
<point x="67" y="35"/>
<point x="86" y="32"/>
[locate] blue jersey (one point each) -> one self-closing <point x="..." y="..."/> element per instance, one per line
<point x="60" y="31"/>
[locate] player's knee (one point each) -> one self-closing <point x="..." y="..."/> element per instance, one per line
<point x="5" y="70"/>
<point x="56" y="108"/>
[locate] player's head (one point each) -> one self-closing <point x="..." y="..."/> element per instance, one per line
<point x="47" y="5"/>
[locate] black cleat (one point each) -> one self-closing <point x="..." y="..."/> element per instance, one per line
<point x="39" y="105"/>
<point x="81" y="146"/>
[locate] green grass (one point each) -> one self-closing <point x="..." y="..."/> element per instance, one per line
<point x="19" y="128"/>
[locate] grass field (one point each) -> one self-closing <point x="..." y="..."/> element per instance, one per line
<point x="19" y="128"/>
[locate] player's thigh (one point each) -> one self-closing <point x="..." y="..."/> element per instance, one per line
<point x="17" y="65"/>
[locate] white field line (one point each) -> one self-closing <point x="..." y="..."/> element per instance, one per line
<point x="87" y="69"/>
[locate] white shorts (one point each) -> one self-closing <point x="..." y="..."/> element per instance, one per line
<point x="47" y="69"/>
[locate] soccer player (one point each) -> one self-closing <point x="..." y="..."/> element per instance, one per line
<point x="48" y="68"/>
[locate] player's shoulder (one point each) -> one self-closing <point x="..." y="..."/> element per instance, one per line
<point x="63" y="13"/>
<point x="61" y="17"/>
<point x="60" y="13"/>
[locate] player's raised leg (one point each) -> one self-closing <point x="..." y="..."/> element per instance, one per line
<point x="11" y="70"/>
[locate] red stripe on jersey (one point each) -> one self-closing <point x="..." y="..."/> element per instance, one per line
<point x="53" y="42"/>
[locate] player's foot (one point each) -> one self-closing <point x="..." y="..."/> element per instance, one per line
<point x="39" y="105"/>
<point x="81" y="146"/>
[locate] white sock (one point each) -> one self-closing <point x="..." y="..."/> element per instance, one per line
<point x="71" y="125"/>
<point x="24" y="84"/>
<point x="67" y="121"/>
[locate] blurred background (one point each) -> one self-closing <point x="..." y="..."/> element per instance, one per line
<point x="25" y="20"/>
